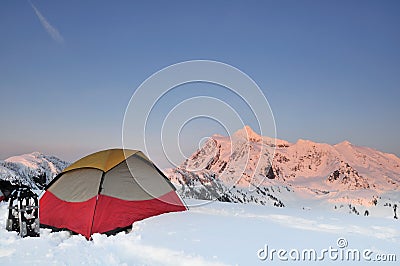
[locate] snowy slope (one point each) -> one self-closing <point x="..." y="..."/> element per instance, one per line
<point x="340" y="177"/>
<point x="34" y="170"/>
<point x="213" y="234"/>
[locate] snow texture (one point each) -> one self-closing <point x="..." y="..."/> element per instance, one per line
<point x="210" y="234"/>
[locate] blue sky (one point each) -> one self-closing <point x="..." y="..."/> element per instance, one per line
<point x="330" y="69"/>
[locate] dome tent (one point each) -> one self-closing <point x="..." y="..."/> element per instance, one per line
<point x="106" y="192"/>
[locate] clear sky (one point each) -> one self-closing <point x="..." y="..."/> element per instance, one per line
<point x="330" y="69"/>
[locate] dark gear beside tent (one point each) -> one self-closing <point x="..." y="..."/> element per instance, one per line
<point x="6" y="188"/>
<point x="23" y="213"/>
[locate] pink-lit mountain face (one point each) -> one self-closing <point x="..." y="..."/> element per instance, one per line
<point x="250" y="168"/>
<point x="34" y="170"/>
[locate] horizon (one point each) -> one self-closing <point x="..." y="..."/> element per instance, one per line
<point x="292" y="143"/>
<point x="329" y="70"/>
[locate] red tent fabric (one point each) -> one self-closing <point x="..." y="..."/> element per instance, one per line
<point x="106" y="192"/>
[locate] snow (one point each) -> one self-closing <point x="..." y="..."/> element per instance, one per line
<point x="208" y="234"/>
<point x="29" y="160"/>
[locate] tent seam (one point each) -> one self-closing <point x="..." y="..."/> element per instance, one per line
<point x="97" y="200"/>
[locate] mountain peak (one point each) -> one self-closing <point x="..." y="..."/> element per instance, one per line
<point x="345" y="143"/>
<point x="304" y="142"/>
<point x="35" y="153"/>
<point x="248" y="133"/>
<point x="26" y="157"/>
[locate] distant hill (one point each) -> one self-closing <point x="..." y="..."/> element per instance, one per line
<point x="35" y="170"/>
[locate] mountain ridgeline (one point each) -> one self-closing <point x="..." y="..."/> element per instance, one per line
<point x="34" y="170"/>
<point x="249" y="168"/>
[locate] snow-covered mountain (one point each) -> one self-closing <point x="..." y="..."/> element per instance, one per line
<point x="35" y="170"/>
<point x="247" y="167"/>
